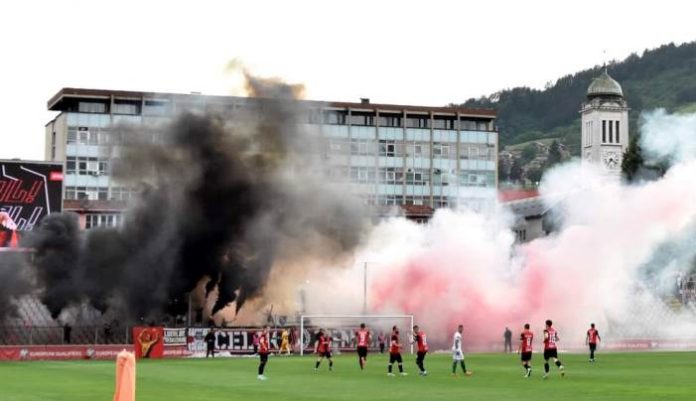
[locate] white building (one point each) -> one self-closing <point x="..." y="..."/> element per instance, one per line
<point x="604" y="124"/>
<point x="385" y="154"/>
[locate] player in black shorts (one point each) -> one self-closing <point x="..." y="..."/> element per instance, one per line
<point x="322" y="347"/>
<point x="395" y="353"/>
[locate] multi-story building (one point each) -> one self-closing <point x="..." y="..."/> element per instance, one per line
<point x="386" y="154"/>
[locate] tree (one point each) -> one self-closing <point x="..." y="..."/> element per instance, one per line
<point x="503" y="173"/>
<point x="529" y="152"/>
<point x="516" y="170"/>
<point x="534" y="175"/>
<point x="632" y="160"/>
<point x="555" y="155"/>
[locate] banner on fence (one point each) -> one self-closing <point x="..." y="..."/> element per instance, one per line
<point x="148" y="342"/>
<point x="60" y="352"/>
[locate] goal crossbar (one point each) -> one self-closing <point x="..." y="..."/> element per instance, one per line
<point x="303" y="317"/>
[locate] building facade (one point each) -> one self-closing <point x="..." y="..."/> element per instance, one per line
<point x="387" y="155"/>
<point x="604" y="125"/>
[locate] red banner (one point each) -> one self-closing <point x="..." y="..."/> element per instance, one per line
<point x="60" y="352"/>
<point x="148" y="342"/>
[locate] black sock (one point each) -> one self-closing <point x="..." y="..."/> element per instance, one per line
<point x="454" y="367"/>
<point x="591" y="354"/>
<point x="558" y="363"/>
<point x="390" y="368"/>
<point x="316" y="366"/>
<point x="526" y="366"/>
<point x="463" y="365"/>
<point x="330" y="364"/>
<point x="262" y="366"/>
<point x="546" y="367"/>
<point x="401" y="368"/>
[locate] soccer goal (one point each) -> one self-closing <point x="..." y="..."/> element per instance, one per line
<point x="342" y="330"/>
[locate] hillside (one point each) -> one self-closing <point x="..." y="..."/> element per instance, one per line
<point x="663" y="77"/>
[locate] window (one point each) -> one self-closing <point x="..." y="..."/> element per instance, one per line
<point x="93" y="220"/>
<point x="604" y="131"/>
<point x="415" y="200"/>
<point x="418" y="122"/>
<point x="390" y="175"/>
<point x="362" y="119"/>
<point x="520" y="235"/>
<point x="440" y="177"/>
<point x="359" y="146"/>
<point x="336" y="146"/>
<point x="123" y="107"/>
<point x="618" y="139"/>
<point x="611" y="132"/>
<point x="155" y="108"/>
<point x="467" y="125"/>
<point x="441" y="150"/>
<point x="387" y="148"/>
<point x="417" y="176"/>
<point x="389" y="121"/>
<point x="389" y="200"/>
<point x="418" y="149"/>
<point x="335" y="117"/>
<point x="91" y="107"/>
<point x="443" y="123"/>
<point x="362" y="175"/>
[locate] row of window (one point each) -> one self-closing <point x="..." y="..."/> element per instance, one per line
<point x="389" y="148"/>
<point x="438" y="201"/>
<point x="365" y="119"/>
<point x="99" y="193"/>
<point x="410" y="176"/>
<point x="86" y="166"/>
<point x="337" y="117"/>
<point x="130" y="107"/>
<point x="93" y="220"/>
<point x="610" y="131"/>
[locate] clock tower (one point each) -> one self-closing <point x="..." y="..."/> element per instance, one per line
<point x="604" y="125"/>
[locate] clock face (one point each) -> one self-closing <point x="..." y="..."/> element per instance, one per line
<point x="611" y="159"/>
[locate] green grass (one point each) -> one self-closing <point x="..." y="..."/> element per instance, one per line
<point x="618" y="376"/>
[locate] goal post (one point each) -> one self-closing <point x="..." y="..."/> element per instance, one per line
<point x="345" y="326"/>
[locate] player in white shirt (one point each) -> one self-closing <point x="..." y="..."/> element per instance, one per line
<point x="457" y="353"/>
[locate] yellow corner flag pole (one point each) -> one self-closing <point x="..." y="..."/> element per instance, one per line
<point x="125" y="377"/>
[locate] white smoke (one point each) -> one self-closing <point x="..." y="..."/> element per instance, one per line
<point x="612" y="261"/>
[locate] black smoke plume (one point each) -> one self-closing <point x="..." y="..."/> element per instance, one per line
<point x="224" y="195"/>
<point x="14" y="282"/>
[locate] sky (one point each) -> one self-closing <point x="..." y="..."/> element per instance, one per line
<point x="414" y="52"/>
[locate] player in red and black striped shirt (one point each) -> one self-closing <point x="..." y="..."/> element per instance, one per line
<point x="421" y="340"/>
<point x="525" y="349"/>
<point x="264" y="350"/>
<point x="592" y="340"/>
<point x="322" y="347"/>
<point x="550" y="350"/>
<point x="362" y="337"/>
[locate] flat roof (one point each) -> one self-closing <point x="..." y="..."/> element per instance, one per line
<point x="55" y="100"/>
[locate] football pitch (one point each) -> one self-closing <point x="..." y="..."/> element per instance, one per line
<point x="615" y="376"/>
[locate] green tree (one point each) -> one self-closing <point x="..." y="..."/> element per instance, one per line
<point x="555" y="155"/>
<point x="516" y="170"/>
<point x="503" y="173"/>
<point x="632" y="160"/>
<point x="529" y="152"/>
<point x="534" y="175"/>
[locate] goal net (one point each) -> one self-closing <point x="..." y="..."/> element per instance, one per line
<point x="342" y="330"/>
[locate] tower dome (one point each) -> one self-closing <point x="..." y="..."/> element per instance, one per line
<point x="604" y="85"/>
